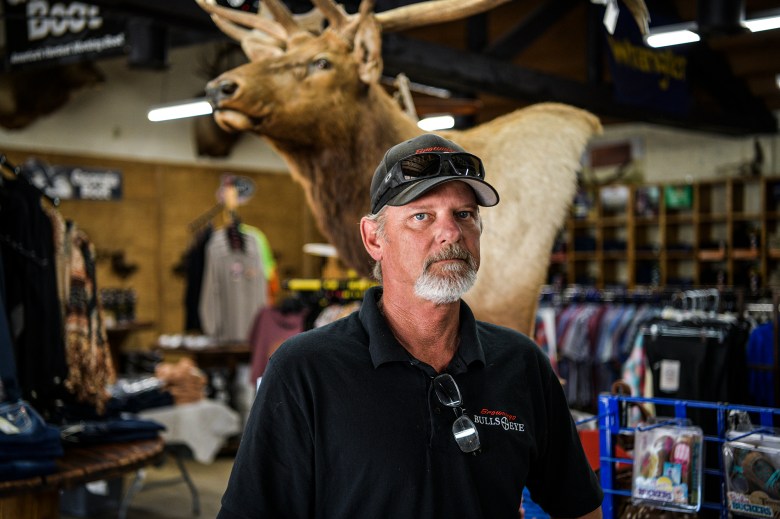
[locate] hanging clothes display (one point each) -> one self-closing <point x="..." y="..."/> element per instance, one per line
<point x="51" y="311"/>
<point x="244" y="251"/>
<point x="32" y="305"/>
<point x="271" y="327"/>
<point x="234" y="285"/>
<point x="593" y="340"/>
<point x="697" y="356"/>
<point x="88" y="354"/>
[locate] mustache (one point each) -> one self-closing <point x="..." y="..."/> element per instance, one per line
<point x="450" y="252"/>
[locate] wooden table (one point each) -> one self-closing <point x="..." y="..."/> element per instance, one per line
<point x="39" y="497"/>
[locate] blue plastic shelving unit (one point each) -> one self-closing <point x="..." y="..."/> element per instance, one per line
<point x="612" y="407"/>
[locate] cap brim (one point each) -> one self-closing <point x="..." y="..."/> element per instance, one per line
<point x="484" y="192"/>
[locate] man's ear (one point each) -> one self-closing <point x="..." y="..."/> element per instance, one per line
<point x="370" y="239"/>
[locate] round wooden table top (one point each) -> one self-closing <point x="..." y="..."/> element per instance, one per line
<point x="82" y="464"/>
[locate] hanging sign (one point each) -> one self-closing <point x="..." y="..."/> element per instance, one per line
<point x="643" y="76"/>
<point x="48" y="31"/>
<point x="73" y="182"/>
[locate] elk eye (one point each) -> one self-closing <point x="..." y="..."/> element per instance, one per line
<point x="321" y="64"/>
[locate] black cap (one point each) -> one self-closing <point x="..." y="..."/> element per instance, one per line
<point x="402" y="193"/>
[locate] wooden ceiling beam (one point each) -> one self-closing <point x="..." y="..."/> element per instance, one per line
<point x="436" y="65"/>
<point x="514" y="41"/>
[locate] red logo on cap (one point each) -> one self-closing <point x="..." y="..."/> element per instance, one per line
<point x="435" y="148"/>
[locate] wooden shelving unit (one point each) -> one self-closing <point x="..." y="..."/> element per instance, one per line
<point x="722" y="232"/>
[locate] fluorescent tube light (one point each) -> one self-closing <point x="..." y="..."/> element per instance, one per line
<point x="777" y="80"/>
<point x="179" y="110"/>
<point x="762" y="24"/>
<point x="686" y="32"/>
<point x="672" y="35"/>
<point x="436" y="122"/>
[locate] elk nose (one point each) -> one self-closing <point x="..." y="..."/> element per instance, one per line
<point x="220" y="89"/>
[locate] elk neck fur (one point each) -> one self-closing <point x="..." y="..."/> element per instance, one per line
<point x="335" y="169"/>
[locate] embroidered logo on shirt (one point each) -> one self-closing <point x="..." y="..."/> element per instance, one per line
<point x="501" y="419"/>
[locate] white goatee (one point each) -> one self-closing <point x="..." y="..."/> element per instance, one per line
<point x="455" y="279"/>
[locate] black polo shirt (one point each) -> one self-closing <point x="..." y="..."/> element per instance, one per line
<point x="345" y="424"/>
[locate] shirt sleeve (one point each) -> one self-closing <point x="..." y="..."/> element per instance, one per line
<point x="273" y="472"/>
<point x="561" y="480"/>
<point x="209" y="305"/>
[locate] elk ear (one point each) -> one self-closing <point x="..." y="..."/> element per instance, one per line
<point x="368" y="50"/>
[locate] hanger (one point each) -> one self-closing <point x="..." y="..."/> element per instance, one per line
<point x="205" y="218"/>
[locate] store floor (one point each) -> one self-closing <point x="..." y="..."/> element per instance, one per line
<point x="174" y="501"/>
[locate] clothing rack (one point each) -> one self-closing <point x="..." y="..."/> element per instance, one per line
<point x="611" y="413"/>
<point x="685" y="299"/>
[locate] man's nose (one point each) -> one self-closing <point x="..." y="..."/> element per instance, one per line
<point x="449" y="229"/>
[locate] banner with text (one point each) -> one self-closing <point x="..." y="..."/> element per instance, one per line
<point x="49" y="32"/>
<point x="655" y="79"/>
<point x="73" y="182"/>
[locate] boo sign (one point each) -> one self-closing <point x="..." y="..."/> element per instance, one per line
<point x="42" y="32"/>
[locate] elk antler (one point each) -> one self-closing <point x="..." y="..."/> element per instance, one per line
<point x="333" y="12"/>
<point x="221" y="16"/>
<point x="283" y="16"/>
<point x="398" y="19"/>
<point x="434" y="11"/>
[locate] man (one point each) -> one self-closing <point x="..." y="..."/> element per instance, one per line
<point x="410" y="408"/>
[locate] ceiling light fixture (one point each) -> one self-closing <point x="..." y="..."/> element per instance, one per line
<point x="688" y="32"/>
<point x="436" y="122"/>
<point x="672" y="35"/>
<point x="180" y="110"/>
<point x="763" y="24"/>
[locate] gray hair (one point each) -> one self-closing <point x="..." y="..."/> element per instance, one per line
<point x="380" y="218"/>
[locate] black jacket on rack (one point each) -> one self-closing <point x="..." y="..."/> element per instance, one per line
<point x="709" y="353"/>
<point x="195" y="262"/>
<point x="32" y="304"/>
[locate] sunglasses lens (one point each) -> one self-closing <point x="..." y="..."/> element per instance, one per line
<point x="447" y="390"/>
<point x="421" y="165"/>
<point x="465" y="433"/>
<point x="467" y="165"/>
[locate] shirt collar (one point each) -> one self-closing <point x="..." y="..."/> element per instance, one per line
<point x="383" y="346"/>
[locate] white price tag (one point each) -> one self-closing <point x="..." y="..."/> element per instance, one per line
<point x="669" y="376"/>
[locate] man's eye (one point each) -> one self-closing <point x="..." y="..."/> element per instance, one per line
<point x="464" y="214"/>
<point x="420" y="216"/>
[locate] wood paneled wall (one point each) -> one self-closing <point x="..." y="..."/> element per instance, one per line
<point x="150" y="224"/>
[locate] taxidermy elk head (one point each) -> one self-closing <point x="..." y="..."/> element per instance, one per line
<point x="298" y="68"/>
